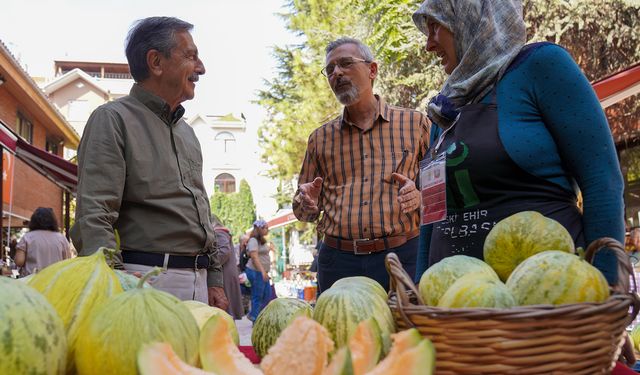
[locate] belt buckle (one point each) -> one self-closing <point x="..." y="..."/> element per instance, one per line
<point x="195" y="265"/>
<point x="355" y="247"/>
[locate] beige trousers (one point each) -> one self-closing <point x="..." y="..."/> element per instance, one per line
<point x="184" y="283"/>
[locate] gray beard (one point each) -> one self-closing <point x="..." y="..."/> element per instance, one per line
<point x="349" y="96"/>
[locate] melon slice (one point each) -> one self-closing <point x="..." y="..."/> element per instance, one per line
<point x="218" y="352"/>
<point x="365" y="345"/>
<point x="410" y="355"/>
<point x="301" y="348"/>
<point x="341" y="363"/>
<point x="160" y="359"/>
<point x="202" y="312"/>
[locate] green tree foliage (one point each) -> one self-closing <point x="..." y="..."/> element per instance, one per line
<point x="236" y="210"/>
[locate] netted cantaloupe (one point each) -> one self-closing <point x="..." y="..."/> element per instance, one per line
<point x="77" y="288"/>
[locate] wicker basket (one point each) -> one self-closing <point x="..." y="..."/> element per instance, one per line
<point x="582" y="338"/>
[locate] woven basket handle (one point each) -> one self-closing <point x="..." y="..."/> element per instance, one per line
<point x="399" y="282"/>
<point x="625" y="269"/>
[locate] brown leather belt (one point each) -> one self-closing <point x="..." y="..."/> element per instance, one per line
<point x="368" y="246"/>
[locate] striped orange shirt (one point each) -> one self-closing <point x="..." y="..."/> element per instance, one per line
<point x="359" y="198"/>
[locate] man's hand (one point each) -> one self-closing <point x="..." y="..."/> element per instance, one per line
<point x="217" y="298"/>
<point x="409" y="196"/>
<point x="308" y="195"/>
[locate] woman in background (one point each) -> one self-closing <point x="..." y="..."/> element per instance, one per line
<point x="42" y="245"/>
<point x="258" y="268"/>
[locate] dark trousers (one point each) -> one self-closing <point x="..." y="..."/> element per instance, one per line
<point x="334" y="264"/>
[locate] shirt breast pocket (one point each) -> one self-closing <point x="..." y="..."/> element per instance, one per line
<point x="396" y="162"/>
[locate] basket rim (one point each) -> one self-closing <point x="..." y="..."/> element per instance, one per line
<point x="616" y="302"/>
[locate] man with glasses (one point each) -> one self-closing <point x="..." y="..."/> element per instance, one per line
<point x="360" y="172"/>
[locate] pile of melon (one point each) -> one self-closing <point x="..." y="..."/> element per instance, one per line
<point x="528" y="260"/>
<point x="79" y="316"/>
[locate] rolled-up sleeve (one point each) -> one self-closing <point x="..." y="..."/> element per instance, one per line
<point x="102" y="173"/>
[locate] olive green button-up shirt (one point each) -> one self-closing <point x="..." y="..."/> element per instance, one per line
<point x="140" y="172"/>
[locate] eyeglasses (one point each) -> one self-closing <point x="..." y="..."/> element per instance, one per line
<point x="344" y="64"/>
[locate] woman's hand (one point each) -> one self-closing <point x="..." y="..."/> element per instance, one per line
<point x="265" y="276"/>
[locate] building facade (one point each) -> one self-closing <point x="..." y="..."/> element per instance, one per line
<point x="34" y="134"/>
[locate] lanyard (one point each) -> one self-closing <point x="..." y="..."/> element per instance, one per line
<point x="441" y="137"/>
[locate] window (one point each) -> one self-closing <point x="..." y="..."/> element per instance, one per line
<point x="225" y="183"/>
<point x="227" y="142"/>
<point x="52" y="145"/>
<point x="24" y="128"/>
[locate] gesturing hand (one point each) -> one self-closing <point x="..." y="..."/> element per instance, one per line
<point x="308" y="195"/>
<point x="409" y="196"/>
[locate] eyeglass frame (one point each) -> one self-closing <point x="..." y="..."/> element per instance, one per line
<point x="324" y="72"/>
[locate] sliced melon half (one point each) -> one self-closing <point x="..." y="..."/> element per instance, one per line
<point x="218" y="352"/>
<point x="160" y="359"/>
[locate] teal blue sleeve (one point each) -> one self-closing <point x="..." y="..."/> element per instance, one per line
<point x="573" y="115"/>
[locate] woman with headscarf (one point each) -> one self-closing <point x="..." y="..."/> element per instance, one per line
<point x="520" y="129"/>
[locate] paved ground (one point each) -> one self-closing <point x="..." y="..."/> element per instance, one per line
<point x="244" y="330"/>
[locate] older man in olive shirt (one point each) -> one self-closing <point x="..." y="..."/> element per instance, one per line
<point x="141" y="170"/>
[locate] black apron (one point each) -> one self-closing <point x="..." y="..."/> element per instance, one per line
<point x="484" y="186"/>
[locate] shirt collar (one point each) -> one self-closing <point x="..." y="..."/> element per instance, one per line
<point x="383" y="112"/>
<point x="157" y="105"/>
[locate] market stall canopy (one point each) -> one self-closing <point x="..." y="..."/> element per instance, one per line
<point x="281" y="218"/>
<point x="618" y="86"/>
<point x="60" y="171"/>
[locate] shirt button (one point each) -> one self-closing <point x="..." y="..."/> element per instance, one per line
<point x="365" y="156"/>
<point x="365" y="229"/>
<point x="366" y="179"/>
<point x="365" y="203"/>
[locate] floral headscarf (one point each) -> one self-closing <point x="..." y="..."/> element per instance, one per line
<point x="488" y="35"/>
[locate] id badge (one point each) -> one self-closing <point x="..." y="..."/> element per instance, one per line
<point x="433" y="189"/>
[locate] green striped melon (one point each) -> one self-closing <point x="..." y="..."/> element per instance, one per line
<point x="635" y="336"/>
<point x="341" y="363"/>
<point x="439" y="277"/>
<point x="557" y="278"/>
<point x="110" y="340"/>
<point x="341" y="309"/>
<point x="273" y="319"/>
<point x="477" y="290"/>
<point x="368" y="284"/>
<point x="32" y="337"/>
<point x="76" y="288"/>
<point x="520" y="236"/>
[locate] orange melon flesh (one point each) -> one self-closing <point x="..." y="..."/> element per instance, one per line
<point x="301" y="348"/>
<point x="341" y="363"/>
<point x="218" y="352"/>
<point x="160" y="359"/>
<point x="408" y="358"/>
<point x="402" y="341"/>
<point x="365" y="345"/>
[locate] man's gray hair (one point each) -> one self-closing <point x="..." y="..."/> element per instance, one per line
<point x="151" y="33"/>
<point x="365" y="51"/>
